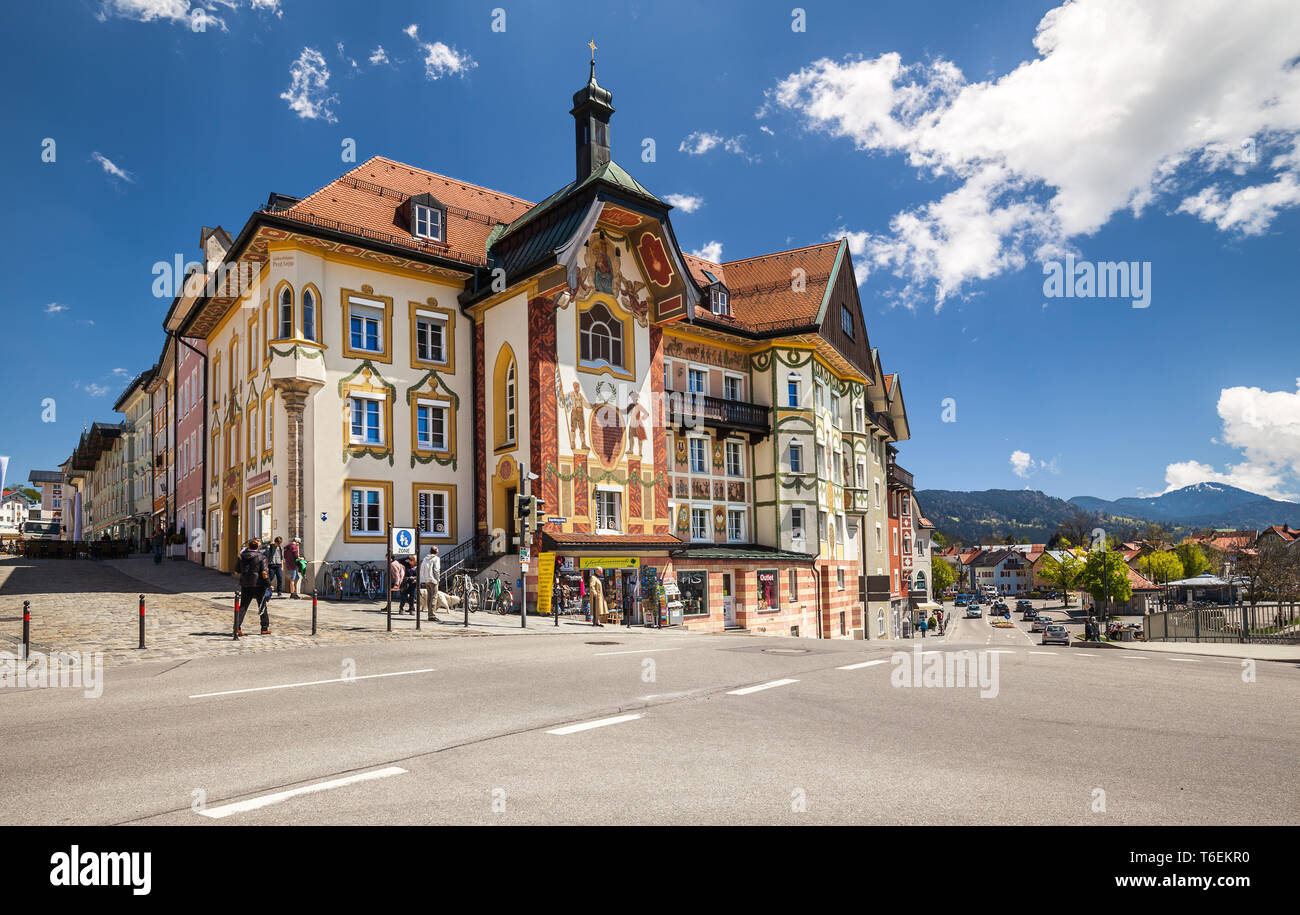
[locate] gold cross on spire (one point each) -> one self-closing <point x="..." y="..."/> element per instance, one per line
<point x="592" y="44"/>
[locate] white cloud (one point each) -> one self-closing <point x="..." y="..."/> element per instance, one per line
<point x="54" y="308"/>
<point x="378" y="56"/>
<point x="441" y="60"/>
<point x="110" y="169"/>
<point x="1022" y="465"/>
<point x="685" y="202"/>
<point x="121" y="373"/>
<point x="180" y="11"/>
<point x="412" y="31"/>
<point x="96" y="390"/>
<point x="1265" y="427"/>
<point x="699" y="142"/>
<point x="1124" y="104"/>
<point x="712" y="252"/>
<point x="308" y="83"/>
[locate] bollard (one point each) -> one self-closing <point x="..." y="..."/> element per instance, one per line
<point x="27" y="629"/>
<point x="141" y="620"/>
<point x="313" y="609"/>
<point x="236" y="616"/>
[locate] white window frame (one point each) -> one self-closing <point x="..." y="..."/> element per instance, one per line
<point x="423" y="218"/>
<point x="367" y="310"/>
<point x="690" y="453"/>
<point x="434" y="496"/>
<point x="379" y="521"/>
<point x="797" y="529"/>
<point x="441" y="406"/>
<point x="795" y="382"/>
<point x="431" y="320"/>
<point x="796" y="448"/>
<point x="740" y="512"/>
<point x="691" y="372"/>
<point x="366" y="398"/>
<point x="733" y="447"/>
<point x="614" y="514"/>
<point x="708" y="513"/>
<point x="739" y="380"/>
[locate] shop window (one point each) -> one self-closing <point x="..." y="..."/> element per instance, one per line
<point x="768" y="590"/>
<point x="694" y="588"/>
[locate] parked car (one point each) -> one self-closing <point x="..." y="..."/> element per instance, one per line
<point x="1024" y="605"/>
<point x="1041" y="622"/>
<point x="961" y="602"/>
<point x="1056" y="634"/>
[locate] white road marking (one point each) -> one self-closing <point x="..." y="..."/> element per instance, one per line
<point x="1002" y="651"/>
<point x="259" y="689"/>
<point x="1052" y="653"/>
<point x="601" y="654"/>
<point x="267" y="800"/>
<point x="753" y="689"/>
<point x="864" y="664"/>
<point x="1083" y="654"/>
<point x="1135" y="657"/>
<point x="1192" y="660"/>
<point x="588" y="725"/>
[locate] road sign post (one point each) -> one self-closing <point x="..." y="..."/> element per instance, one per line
<point x="388" y="577"/>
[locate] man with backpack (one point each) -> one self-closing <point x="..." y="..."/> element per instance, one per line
<point x="275" y="565"/>
<point x="254" y="579"/>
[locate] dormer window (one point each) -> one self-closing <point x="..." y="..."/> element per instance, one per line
<point x="427" y="221"/>
<point x="720" y="299"/>
<point x="846" y="321"/>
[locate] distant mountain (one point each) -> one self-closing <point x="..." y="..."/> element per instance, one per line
<point x="991" y="515"/>
<point x="1200" y="505"/>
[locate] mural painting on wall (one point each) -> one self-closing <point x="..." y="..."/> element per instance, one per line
<point x="680" y="450"/>
<point x="575" y="407"/>
<point x="681" y="518"/>
<point x="719" y="520"/>
<point x="718" y="494"/>
<point x="604" y="273"/>
<point x="636" y="425"/>
<point x="681" y="488"/>
<point x="700" y="489"/>
<point x="735" y="492"/>
<point x="701" y="352"/>
<point x="655" y="259"/>
<point x="607" y="433"/>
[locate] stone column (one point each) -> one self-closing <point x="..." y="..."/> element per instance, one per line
<point x="295" y="401"/>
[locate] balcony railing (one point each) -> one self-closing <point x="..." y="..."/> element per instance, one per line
<point x="685" y="409"/>
<point x="899" y="477"/>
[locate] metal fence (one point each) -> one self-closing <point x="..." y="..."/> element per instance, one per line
<point x="1277" y="623"/>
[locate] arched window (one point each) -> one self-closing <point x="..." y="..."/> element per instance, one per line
<point x="511" y="411"/>
<point x="505" y="399"/>
<point x="286" y="314"/>
<point x="308" y="314"/>
<point x="601" y="336"/>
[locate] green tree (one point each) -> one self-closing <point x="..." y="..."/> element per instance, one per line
<point x="1162" y="567"/>
<point x="943" y="576"/>
<point x="1192" y="557"/>
<point x="1063" y="573"/>
<point x="1106" y="577"/>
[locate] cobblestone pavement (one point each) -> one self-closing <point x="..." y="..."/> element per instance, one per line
<point x="89" y="606"/>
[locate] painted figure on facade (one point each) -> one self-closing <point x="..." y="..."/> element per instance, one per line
<point x="575" y="411"/>
<point x="603" y="277"/>
<point x="636" y="420"/>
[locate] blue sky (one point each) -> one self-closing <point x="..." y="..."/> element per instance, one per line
<point x="955" y="152"/>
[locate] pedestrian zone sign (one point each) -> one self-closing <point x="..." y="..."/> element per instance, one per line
<point x="403" y="541"/>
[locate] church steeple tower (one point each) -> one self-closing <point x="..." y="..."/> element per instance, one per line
<point x="591" y="111"/>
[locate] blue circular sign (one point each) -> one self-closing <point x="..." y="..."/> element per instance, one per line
<point x="404" y="539"/>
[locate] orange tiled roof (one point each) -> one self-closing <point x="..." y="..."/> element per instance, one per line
<point x="761" y="288"/>
<point x="367" y="198"/>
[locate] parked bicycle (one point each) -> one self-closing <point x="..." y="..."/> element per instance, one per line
<point x="335" y="580"/>
<point x="500" y="596"/>
<point x="463" y="587"/>
<point x="368" y="581"/>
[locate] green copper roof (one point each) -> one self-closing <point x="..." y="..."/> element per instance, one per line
<point x="609" y="173"/>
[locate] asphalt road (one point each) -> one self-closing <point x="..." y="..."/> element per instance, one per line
<point x="515" y="730"/>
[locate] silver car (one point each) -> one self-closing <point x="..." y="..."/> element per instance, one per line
<point x="1041" y="622"/>
<point x="1056" y="634"/>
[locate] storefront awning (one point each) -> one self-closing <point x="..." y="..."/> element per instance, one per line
<point x="607" y="543"/>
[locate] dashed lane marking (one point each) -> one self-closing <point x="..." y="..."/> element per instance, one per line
<point x="267" y="800"/>
<point x="259" y="689"/>
<point x="588" y="725"/>
<point x="762" y="686"/>
<point x="863" y="664"/>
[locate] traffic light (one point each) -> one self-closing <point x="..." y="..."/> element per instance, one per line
<point x="523" y="508"/>
<point x="539" y="513"/>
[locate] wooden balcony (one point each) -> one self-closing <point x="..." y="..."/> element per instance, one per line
<point x="694" y="411"/>
<point x="899" y="478"/>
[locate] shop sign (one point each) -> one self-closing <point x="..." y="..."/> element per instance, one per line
<point x="545" y="581"/>
<point x="609" y="562"/>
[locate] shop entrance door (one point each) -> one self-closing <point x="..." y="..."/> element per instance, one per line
<point x="728" y="601"/>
